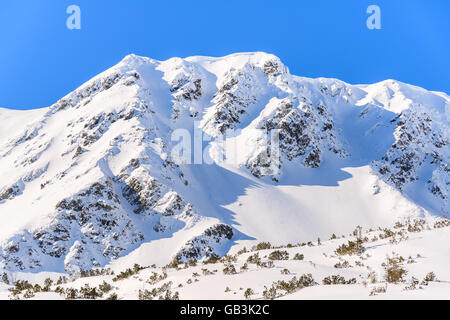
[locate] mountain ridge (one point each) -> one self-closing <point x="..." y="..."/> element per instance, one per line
<point x="112" y="136"/>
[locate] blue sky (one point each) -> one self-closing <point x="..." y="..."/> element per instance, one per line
<point x="41" y="60"/>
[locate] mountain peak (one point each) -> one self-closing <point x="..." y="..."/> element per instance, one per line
<point x="94" y="177"/>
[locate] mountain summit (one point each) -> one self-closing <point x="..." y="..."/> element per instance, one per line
<point x="92" y="181"/>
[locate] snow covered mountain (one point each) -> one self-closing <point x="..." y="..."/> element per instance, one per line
<point x="91" y="181"/>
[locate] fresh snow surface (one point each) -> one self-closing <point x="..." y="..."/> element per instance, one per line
<point x="422" y="249"/>
<point x="90" y="181"/>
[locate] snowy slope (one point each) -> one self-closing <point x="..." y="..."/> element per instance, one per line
<point x="91" y="181"/>
<point x="310" y="270"/>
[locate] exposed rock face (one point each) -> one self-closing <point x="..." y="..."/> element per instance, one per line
<point x="86" y="93"/>
<point x="95" y="217"/>
<point x="92" y="178"/>
<point x="304" y="132"/>
<point x="207" y="245"/>
<point x="230" y="102"/>
<point x="419" y="145"/>
<point x="9" y="192"/>
<point x="142" y="191"/>
<point x="415" y="141"/>
<point x="170" y="204"/>
<point x="239" y="90"/>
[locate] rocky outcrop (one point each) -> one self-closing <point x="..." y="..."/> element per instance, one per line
<point x="211" y="243"/>
<point x="304" y="133"/>
<point x="419" y="144"/>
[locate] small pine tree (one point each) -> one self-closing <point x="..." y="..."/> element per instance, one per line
<point x="105" y="287"/>
<point x="175" y="263"/>
<point x="430" y="277"/>
<point x="229" y="269"/>
<point x="279" y="255"/>
<point x="299" y="256"/>
<point x="193" y="263"/>
<point x="71" y="294"/>
<point x="395" y="272"/>
<point x="137" y="268"/>
<point x="113" y="296"/>
<point x="248" y="293"/>
<point x="285" y="271"/>
<point x="5" y="278"/>
<point x="47" y="284"/>
<point x="262" y="246"/>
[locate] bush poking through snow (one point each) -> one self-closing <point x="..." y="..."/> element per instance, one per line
<point x="377" y="290"/>
<point x="155" y="278"/>
<point x="213" y="258"/>
<point x="413" y="283"/>
<point x="430" y="277"/>
<point x="206" y="272"/>
<point x="175" y="263"/>
<point x="71" y="294"/>
<point x="145" y="295"/>
<point x="20" y="286"/>
<point x="5" y="278"/>
<point x="395" y="272"/>
<point x="372" y="276"/>
<point x="342" y="265"/>
<point x="337" y="279"/>
<point x="229" y="269"/>
<point x="279" y="255"/>
<point x="164" y="292"/>
<point x="170" y="296"/>
<point x="254" y="259"/>
<point x="87" y="292"/>
<point x="248" y="293"/>
<point x="299" y="256"/>
<point x="266" y="264"/>
<point x="288" y="287"/>
<point x="285" y="271"/>
<point x="128" y="273"/>
<point x="105" y="287"/>
<point x="262" y="246"/>
<point x="113" y="296"/>
<point x="351" y="248"/>
<point x="47" y="284"/>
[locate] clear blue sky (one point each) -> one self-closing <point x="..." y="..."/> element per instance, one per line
<point x="41" y="60"/>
